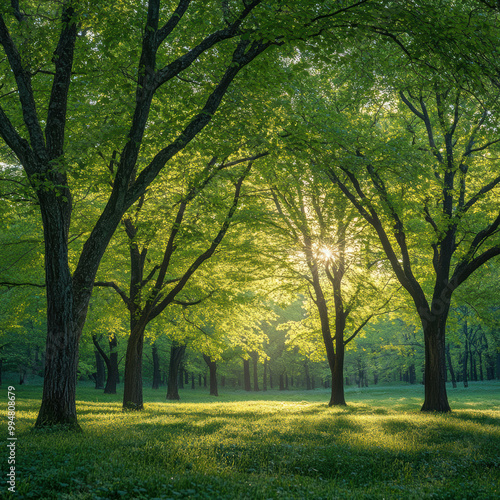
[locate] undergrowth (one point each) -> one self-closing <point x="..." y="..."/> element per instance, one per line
<point x="274" y="445"/>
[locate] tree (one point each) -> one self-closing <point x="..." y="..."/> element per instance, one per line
<point x="447" y="157"/>
<point x="69" y="80"/>
<point x="154" y="287"/>
<point x="324" y="249"/>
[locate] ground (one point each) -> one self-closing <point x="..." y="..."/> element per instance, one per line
<point x="264" y="445"/>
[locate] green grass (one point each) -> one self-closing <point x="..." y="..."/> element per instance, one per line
<point x="264" y="445"/>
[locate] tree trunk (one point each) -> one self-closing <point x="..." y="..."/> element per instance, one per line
<point x="246" y="375"/>
<point x="490" y="366"/>
<point x="212" y="367"/>
<point x="99" y="376"/>
<point x="450" y="366"/>
<point x="264" y="377"/>
<point x="176" y="354"/>
<point x="412" y="375"/>
<point x="111" y="364"/>
<point x="113" y="374"/>
<point x="464" y="364"/>
<point x="308" y="378"/>
<point x="193" y="384"/>
<point x="156" y="367"/>
<point x="132" y="391"/>
<point x="63" y="332"/>
<point x="337" y="396"/>
<point x="255" y="360"/>
<point x="436" y="398"/>
<point x="473" y="371"/>
<point x="282" y="382"/>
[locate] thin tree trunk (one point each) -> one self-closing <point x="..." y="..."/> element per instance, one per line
<point x="212" y="367"/>
<point x="264" y="377"/>
<point x="100" y="372"/>
<point x="464" y="363"/>
<point x="308" y="378"/>
<point x="246" y="375"/>
<point x="156" y="367"/>
<point x="176" y="354"/>
<point x="255" y="360"/>
<point x="450" y="366"/>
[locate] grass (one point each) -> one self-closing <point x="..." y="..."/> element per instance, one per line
<point x="264" y="445"/>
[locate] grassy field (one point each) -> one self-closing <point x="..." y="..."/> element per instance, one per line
<point x="263" y="445"/>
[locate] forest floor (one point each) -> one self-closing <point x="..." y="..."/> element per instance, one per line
<point x="264" y="445"/>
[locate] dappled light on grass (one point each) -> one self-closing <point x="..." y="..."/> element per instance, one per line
<point x="263" y="448"/>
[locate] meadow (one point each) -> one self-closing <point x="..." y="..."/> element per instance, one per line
<point x="265" y="445"/>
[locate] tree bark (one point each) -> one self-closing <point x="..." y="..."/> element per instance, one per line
<point x="465" y="357"/>
<point x="99" y="376"/>
<point x="61" y="352"/>
<point x="156" y="367"/>
<point x="212" y="367"/>
<point x="264" y="376"/>
<point x="246" y="375"/>
<point x="176" y="354"/>
<point x="255" y="360"/>
<point x="436" y="398"/>
<point x="132" y="390"/>
<point x="308" y="378"/>
<point x="111" y="364"/>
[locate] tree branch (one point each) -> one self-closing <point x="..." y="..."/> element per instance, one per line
<point x="243" y="54"/>
<point x="157" y="309"/>
<point x="170" y="25"/>
<point x="63" y="61"/>
<point x="26" y="97"/>
<point x="118" y="290"/>
<point x="9" y="284"/>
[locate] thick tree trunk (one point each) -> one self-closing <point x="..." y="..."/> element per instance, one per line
<point x="99" y="376"/>
<point x="436" y="398"/>
<point x="156" y="367"/>
<point x="132" y="391"/>
<point x="176" y="354"/>
<point x="212" y="367"/>
<point x="246" y="375"/>
<point x="450" y="367"/>
<point x="63" y="332"/>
